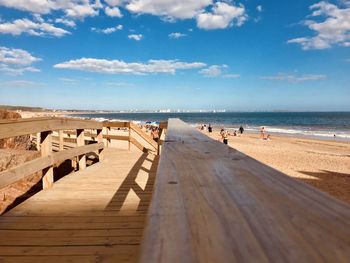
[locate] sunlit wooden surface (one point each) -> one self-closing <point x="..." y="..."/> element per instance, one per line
<point x="212" y="203"/>
<point x="94" y="215"/>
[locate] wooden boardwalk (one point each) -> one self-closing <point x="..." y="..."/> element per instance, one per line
<point x="212" y="203"/>
<point x="94" y="215"/>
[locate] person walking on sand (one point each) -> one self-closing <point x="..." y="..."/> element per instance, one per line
<point x="241" y="129"/>
<point x="262" y="132"/>
<point x="155" y="134"/>
<point x="210" y="129"/>
<point x="224" y="135"/>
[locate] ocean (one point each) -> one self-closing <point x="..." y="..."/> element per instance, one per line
<point x="310" y="124"/>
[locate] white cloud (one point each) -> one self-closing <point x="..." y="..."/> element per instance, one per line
<point x="20" y="26"/>
<point x="69" y="80"/>
<point x="121" y="67"/>
<point x="216" y="71"/>
<point x="16" y="61"/>
<point x="20" y="84"/>
<point x="222" y="16"/>
<point x="212" y="71"/>
<point x="170" y="9"/>
<point x="259" y="8"/>
<point x="294" y="78"/>
<point x="333" y="30"/>
<point x="15" y="56"/>
<point x="14" y="71"/>
<point x="224" y="13"/>
<point x="176" y="35"/>
<point x="72" y="8"/>
<point x="66" y="22"/>
<point x="113" y="12"/>
<point x="136" y="37"/>
<point x="108" y="30"/>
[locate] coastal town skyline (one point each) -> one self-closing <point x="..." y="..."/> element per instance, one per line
<point x="234" y="55"/>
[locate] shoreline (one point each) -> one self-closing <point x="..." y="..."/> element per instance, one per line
<point x="69" y="114"/>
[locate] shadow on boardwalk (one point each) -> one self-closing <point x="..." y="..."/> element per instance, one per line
<point x="94" y="215"/>
<point x="143" y="190"/>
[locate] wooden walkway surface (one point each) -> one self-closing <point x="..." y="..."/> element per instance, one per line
<point x="94" y="215"/>
<point x="212" y="203"/>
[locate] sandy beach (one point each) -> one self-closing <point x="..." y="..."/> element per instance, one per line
<point x="323" y="164"/>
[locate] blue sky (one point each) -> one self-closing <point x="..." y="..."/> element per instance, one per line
<point x="195" y="54"/>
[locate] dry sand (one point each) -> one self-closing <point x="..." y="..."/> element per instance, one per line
<point x="323" y="164"/>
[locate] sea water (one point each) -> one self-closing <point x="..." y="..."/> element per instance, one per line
<point x="315" y="124"/>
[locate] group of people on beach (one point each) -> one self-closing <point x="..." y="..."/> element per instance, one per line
<point x="263" y="134"/>
<point x="153" y="129"/>
<point x="224" y="134"/>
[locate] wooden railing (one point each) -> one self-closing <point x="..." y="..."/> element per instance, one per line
<point x="56" y="149"/>
<point x="43" y="129"/>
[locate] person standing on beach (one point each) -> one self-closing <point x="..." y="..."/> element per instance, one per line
<point x="262" y="132"/>
<point x="155" y="134"/>
<point x="210" y="129"/>
<point x="241" y="130"/>
<point x="224" y="136"/>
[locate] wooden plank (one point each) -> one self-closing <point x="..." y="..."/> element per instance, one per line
<point x="61" y="139"/>
<point x="20" y="127"/>
<point x="46" y="150"/>
<point x="97" y="212"/>
<point x="28" y="168"/>
<point x="138" y="145"/>
<point x="214" y="204"/>
<point x="78" y="151"/>
<point x="105" y="136"/>
<point x="80" y="143"/>
<point x="143" y="135"/>
<point x="116" y="124"/>
<point x="163" y="125"/>
<point x="99" y="137"/>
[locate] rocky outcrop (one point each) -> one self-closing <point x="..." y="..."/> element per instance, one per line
<point x="14" y="152"/>
<point x="18" y="143"/>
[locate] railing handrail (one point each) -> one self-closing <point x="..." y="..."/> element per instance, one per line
<point x="31" y="167"/>
<point x="19" y="127"/>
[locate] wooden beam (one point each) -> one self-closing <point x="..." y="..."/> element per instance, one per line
<point x="116" y="124"/>
<point x="138" y="145"/>
<point x="163" y="125"/>
<point x="60" y="139"/>
<point x="212" y="203"/>
<point x="20" y="127"/>
<point x="81" y="142"/>
<point x="59" y="157"/>
<point x="143" y="135"/>
<point x="28" y="168"/>
<point x="100" y="140"/>
<point x="46" y="150"/>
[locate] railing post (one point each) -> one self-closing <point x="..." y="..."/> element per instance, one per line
<point x="46" y="149"/>
<point x="108" y="141"/>
<point x="81" y="142"/>
<point x="100" y="139"/>
<point x="129" y="141"/>
<point x="60" y="137"/>
<point x="38" y="141"/>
